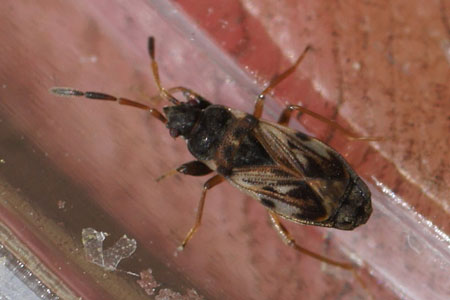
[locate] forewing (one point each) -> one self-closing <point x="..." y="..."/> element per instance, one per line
<point x="307" y="181"/>
<point x="281" y="191"/>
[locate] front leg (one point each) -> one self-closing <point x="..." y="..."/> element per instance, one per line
<point x="193" y="168"/>
<point x="212" y="182"/>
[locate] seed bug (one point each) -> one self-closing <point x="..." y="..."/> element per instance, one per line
<point x="296" y="177"/>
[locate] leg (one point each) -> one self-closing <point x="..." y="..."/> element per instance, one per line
<point x="193" y="168"/>
<point x="289" y="240"/>
<point x="187" y="93"/>
<point x="100" y="96"/>
<point x="166" y="93"/>
<point x="259" y="106"/>
<point x="213" y="181"/>
<point x="287" y="113"/>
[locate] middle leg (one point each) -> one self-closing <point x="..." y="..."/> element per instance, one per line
<point x="287" y="113"/>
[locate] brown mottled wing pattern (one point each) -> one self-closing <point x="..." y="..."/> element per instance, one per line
<point x="305" y="183"/>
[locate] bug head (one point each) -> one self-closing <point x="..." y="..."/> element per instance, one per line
<point x="182" y="117"/>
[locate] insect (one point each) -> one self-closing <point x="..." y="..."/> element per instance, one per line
<point x="296" y="177"/>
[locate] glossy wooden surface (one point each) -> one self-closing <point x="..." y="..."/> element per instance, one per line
<point x="382" y="69"/>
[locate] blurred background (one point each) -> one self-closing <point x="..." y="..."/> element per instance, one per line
<point x="379" y="68"/>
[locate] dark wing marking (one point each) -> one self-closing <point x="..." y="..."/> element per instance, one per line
<point x="307" y="181"/>
<point x="298" y="151"/>
<point x="281" y="191"/>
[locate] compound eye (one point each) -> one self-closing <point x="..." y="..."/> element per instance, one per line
<point x="193" y="102"/>
<point x="174" y="132"/>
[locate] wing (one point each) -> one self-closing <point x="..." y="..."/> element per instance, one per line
<point x="306" y="181"/>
